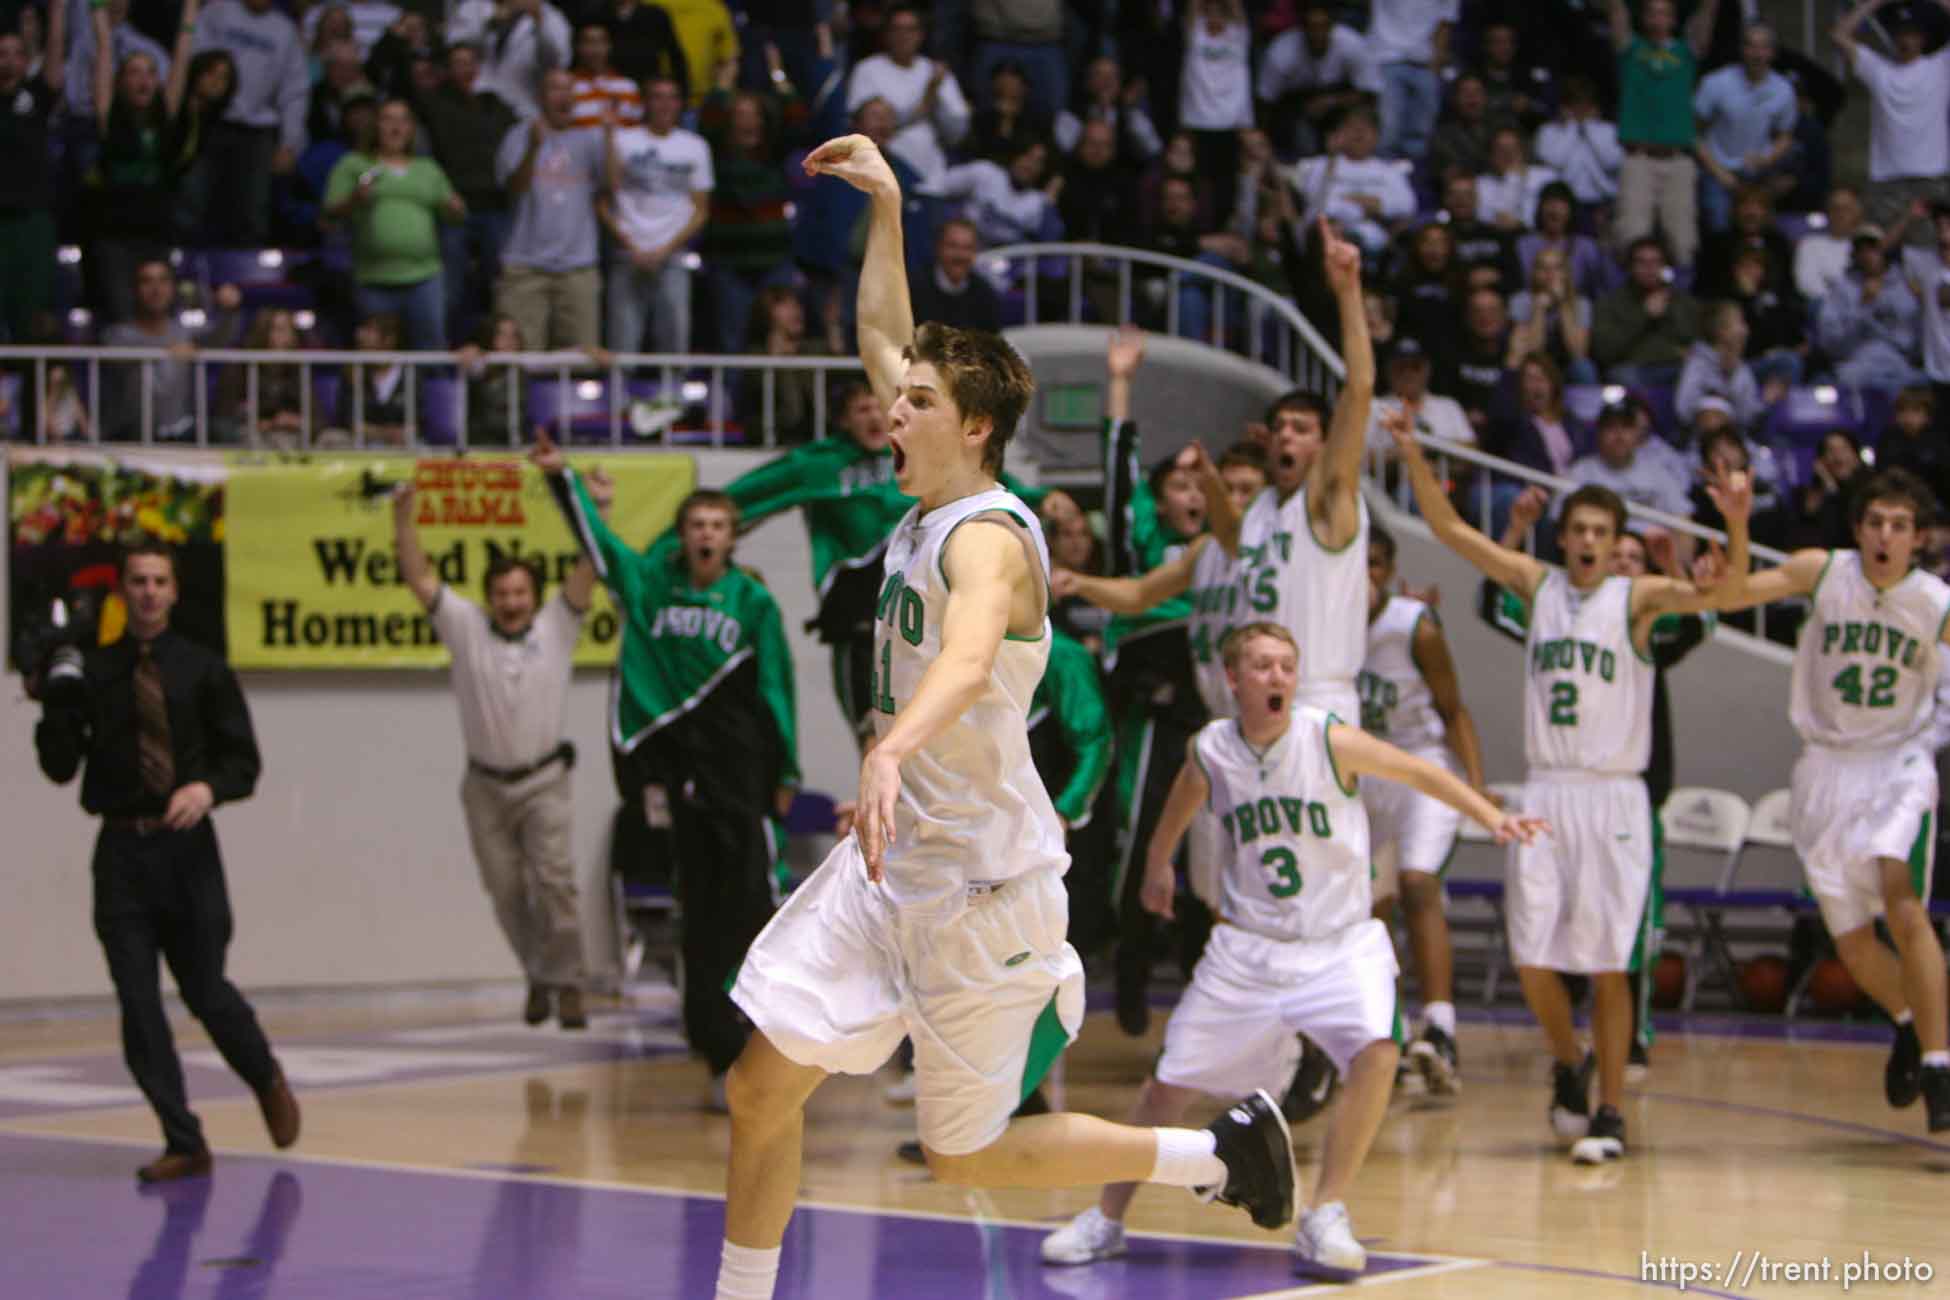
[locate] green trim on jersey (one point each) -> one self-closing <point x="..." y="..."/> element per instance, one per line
<point x="1922" y="856"/>
<point x="1047" y="1039"/>
<point x="941" y="567"/>
<point x="1652" y="918"/>
<point x="1319" y="545"/>
<point x="1397" y="1028"/>
<point x="1327" y="743"/>
<point x="1815" y="591"/>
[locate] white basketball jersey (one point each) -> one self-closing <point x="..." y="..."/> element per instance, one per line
<point x="1320" y="596"/>
<point x="1587" y="691"/>
<point x="1294" y="862"/>
<point x="1865" y="672"/>
<point x="971" y="805"/>
<point x="1396" y="703"/>
<point x="1216" y="602"/>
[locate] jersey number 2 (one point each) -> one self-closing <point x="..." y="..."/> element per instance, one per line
<point x="1882" y="686"/>
<point x="1285" y="872"/>
<point x="1564" y="704"/>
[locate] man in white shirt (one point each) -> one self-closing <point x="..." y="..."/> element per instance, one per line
<point x="1507" y="193"/>
<point x="520" y="41"/>
<point x="931" y="113"/>
<point x="1822" y="258"/>
<point x="1362" y="192"/>
<point x="1928" y="270"/>
<point x="511" y="666"/>
<point x="1909" y="114"/>
<point x="1746" y="113"/>
<point x="662" y="199"/>
<point x="1582" y="146"/>
<point x="1408" y="40"/>
<point x="1324" y="68"/>
<point x="1408" y="389"/>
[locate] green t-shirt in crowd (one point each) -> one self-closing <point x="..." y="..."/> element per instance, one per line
<point x="1655" y="96"/>
<point x="394" y="238"/>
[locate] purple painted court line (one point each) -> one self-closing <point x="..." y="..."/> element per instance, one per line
<point x="1801" y="1117"/>
<point x="260" y="1226"/>
<point x="317" y="1065"/>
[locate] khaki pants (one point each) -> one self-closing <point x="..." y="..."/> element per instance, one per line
<point x="555" y="309"/>
<point x="1662" y="190"/>
<point x="520" y="834"/>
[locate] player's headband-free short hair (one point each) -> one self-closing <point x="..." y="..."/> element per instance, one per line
<point x="1597" y="498"/>
<point x="1892" y="487"/>
<point x="502" y="563"/>
<point x="1235" y="641"/>
<point x="145" y="545"/>
<point x="986" y="378"/>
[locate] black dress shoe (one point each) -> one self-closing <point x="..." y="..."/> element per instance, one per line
<point x="173" y="1165"/>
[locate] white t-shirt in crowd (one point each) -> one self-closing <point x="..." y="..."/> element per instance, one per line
<point x="1930" y="277"/>
<point x="1441" y="416"/>
<point x="1515" y="193"/>
<point x="1909" y="118"/>
<point x="1587" y="154"/>
<point x="512" y="691"/>
<point x="1403" y="31"/>
<point x="1821" y="261"/>
<point x="1215" y="90"/>
<point x="1289" y="65"/>
<point x="660" y="173"/>
<point x="921" y="141"/>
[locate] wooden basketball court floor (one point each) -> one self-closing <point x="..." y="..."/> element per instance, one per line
<point x="450" y="1152"/>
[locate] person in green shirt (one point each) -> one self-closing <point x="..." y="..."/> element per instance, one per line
<point x="392" y="200"/>
<point x="705" y="707"/>
<point x="1656" y="74"/>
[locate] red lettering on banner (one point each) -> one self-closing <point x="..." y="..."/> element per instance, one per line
<point x="459" y="493"/>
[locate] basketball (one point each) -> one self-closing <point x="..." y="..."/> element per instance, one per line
<point x="1668" y="981"/>
<point x="1764" y="984"/>
<point x="1831" y="988"/>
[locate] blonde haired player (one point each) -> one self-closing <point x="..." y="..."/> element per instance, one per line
<point x="1863" y="697"/>
<point x="1297" y="949"/>
<point x="943" y="917"/>
<point x="1575" y="904"/>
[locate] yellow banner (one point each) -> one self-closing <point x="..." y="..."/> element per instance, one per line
<point x="312" y="580"/>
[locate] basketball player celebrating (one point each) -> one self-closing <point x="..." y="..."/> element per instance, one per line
<point x="1574" y="904"/>
<point x="1863" y="697"/>
<point x="1409" y="697"/>
<point x="942" y="917"/>
<point x="1296" y="949"/>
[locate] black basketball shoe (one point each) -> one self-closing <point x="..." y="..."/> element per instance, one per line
<point x="1604" y="1140"/>
<point x="1570" y="1112"/>
<point x="1313" y="1087"/>
<point x="1256" y="1147"/>
<point x="1434" y="1054"/>
<point x="1902" y="1078"/>
<point x="1936" y="1096"/>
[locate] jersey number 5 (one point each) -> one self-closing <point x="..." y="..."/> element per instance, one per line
<point x="1564" y="704"/>
<point x="1284" y="869"/>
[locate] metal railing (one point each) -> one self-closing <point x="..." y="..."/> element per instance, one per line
<point x="1481" y="493"/>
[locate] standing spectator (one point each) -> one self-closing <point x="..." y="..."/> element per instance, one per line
<point x="1656" y="71"/>
<point x="1823" y="258"/>
<point x="952" y="294"/>
<point x="601" y="93"/>
<point x="661" y="199"/>
<point x="708" y="36"/>
<point x="1522" y="93"/>
<point x="467" y="125"/>
<point x="162" y="727"/>
<point x="520" y="41"/>
<point x="1551" y="317"/>
<point x="1508" y="192"/>
<point x="1409" y="42"/>
<point x="1716" y="366"/>
<point x="1752" y="228"/>
<point x="511" y="664"/>
<point x="394" y="202"/>
<point x="705" y="708"/>
<point x="342" y="75"/>
<point x="263" y="131"/>
<point x="1590" y="274"/>
<point x="212" y="82"/>
<point x="27" y="188"/>
<point x="1008" y="121"/>
<point x="169" y="407"/>
<point x="77" y="70"/>
<point x="1867" y="322"/>
<point x="1928" y="272"/>
<point x="1747" y="114"/>
<point x="1487" y="253"/>
<point x="1029" y="34"/>
<point x="1106" y="97"/>
<point x="644" y="44"/>
<point x="363" y="22"/>
<point x="1641" y="330"/>
<point x="1309" y="75"/>
<point x="549" y="282"/>
<point x="930" y="113"/>
<point x="1581" y="146"/>
<point x="1462" y="141"/>
<point x="1215" y="93"/>
<point x="1428" y="289"/>
<point x="404" y="49"/>
<point x="1909" y="114"/>
<point x="324" y="26"/>
<point x="747" y="243"/>
<point x="128" y="198"/>
<point x="1477" y="372"/>
<point x="1015" y="204"/>
<point x="1354" y="187"/>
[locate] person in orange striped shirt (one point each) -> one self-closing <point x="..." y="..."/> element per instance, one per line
<point x="598" y="86"/>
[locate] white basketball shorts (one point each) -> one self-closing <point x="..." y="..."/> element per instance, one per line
<point x="1234" y="1028"/>
<point x="1574" y="899"/>
<point x="1850" y="811"/>
<point x="1407" y="830"/>
<point x="986" y="986"/>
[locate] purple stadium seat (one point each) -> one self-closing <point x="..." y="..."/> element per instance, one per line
<point x="265" y="275"/>
<point x="1807" y="412"/>
<point x="439" y="410"/>
<point x="9" y="406"/>
<point x="325" y="388"/>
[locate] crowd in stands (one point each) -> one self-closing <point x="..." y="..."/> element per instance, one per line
<point x="1551" y="195"/>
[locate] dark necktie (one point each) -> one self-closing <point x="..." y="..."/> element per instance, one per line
<point x="153" y="754"/>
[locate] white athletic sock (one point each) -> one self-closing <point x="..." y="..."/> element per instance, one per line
<point x="1905" y="1018"/>
<point x="1442" y="1015"/>
<point x="747" y="1274"/>
<point x="1187" y="1157"/>
<point x="1936" y="1060"/>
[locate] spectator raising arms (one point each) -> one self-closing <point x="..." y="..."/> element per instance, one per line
<point x="1656" y="72"/>
<point x="644" y="44"/>
<point x="263" y="131"/>
<point x="27" y="187"/>
<point x="1909" y="114"/>
<point x="520" y="42"/>
<point x="129" y="200"/>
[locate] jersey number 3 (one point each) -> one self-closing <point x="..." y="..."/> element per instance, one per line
<point x="1284" y="872"/>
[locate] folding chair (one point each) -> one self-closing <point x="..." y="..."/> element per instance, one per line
<point x="1704" y="831"/>
<point x="1475" y="873"/>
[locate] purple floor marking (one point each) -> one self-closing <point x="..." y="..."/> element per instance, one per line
<point x="1799" y="1117"/>
<point x="262" y="1226"/>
